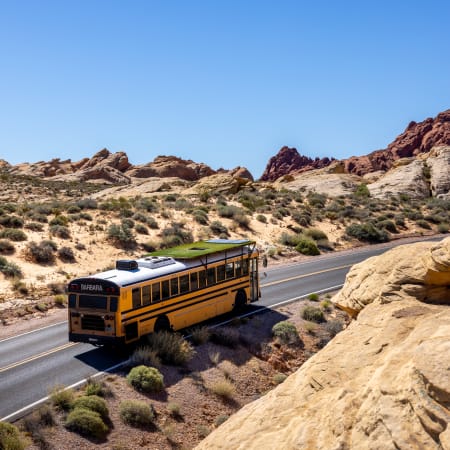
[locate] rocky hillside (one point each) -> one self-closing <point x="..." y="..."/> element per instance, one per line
<point x="383" y="383"/>
<point x="114" y="168"/>
<point x="418" y="138"/>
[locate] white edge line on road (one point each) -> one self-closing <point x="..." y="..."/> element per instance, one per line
<point x="32" y="331"/>
<point x="17" y="414"/>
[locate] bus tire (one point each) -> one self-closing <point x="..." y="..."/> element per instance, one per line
<point x="240" y="301"/>
<point x="162" y="324"/>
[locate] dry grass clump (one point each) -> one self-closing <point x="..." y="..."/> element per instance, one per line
<point x="171" y="348"/>
<point x="136" y="413"/>
<point x="146" y="356"/>
<point x="224" y="389"/>
<point x="227" y="336"/>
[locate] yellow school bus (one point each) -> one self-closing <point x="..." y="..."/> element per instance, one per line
<point x="166" y="290"/>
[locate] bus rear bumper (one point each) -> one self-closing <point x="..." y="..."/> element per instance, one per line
<point x="95" y="339"/>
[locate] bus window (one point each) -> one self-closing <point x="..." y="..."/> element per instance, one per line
<point x="72" y="300"/>
<point x="113" y="302"/>
<point x="156" y="292"/>
<point x="194" y="281"/>
<point x="146" y="298"/>
<point x="245" y="267"/>
<point x="220" y="273"/>
<point x="174" y="286"/>
<point x="229" y="270"/>
<point x="238" y="268"/>
<point x="136" y="295"/>
<point x="202" y="279"/>
<point x="211" y="276"/>
<point x="165" y="289"/>
<point x="184" y="284"/>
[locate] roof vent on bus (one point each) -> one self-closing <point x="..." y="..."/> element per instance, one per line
<point x="126" y="264"/>
<point x="154" y="262"/>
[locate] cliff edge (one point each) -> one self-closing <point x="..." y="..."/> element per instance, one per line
<point x="383" y="383"/>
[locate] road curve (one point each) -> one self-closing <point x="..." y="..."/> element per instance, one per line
<point x="33" y="363"/>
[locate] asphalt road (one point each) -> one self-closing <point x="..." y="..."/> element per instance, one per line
<point x="33" y="363"/>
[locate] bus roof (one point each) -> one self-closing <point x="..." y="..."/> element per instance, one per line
<point x="202" y="248"/>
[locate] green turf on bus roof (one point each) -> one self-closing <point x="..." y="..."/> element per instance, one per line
<point x="201" y="248"/>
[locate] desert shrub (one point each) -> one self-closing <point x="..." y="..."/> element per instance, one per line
<point x="10" y="269"/>
<point x="399" y="221"/>
<point x="60" y="300"/>
<point x="313" y="297"/>
<point x="316" y="200"/>
<point x="302" y="218"/>
<point x="423" y="224"/>
<point x="261" y="218"/>
<point x="99" y="388"/>
<point x="218" y="228"/>
<point x="41" y="218"/>
<point x="172" y="348"/>
<point x="366" y="232"/>
<point x="146" y="379"/>
<point x="362" y="190"/>
<point x="59" y="220"/>
<point x="6" y="247"/>
<point x="57" y="288"/>
<point x="127" y="222"/>
<point x="147" y="204"/>
<point x="307" y="247"/>
<point x="34" y="226"/>
<point x="87" y="203"/>
<point x="60" y="231"/>
<point x="43" y="253"/>
<point x="66" y="254"/>
<point x="150" y="246"/>
<point x="146" y="356"/>
<point x="11" y="222"/>
<point x="62" y="398"/>
<point x="291" y="240"/>
<point x="10" y="437"/>
<point x="286" y="332"/>
<point x="171" y="198"/>
<point x="175" y="235"/>
<point x="152" y="223"/>
<point x="86" y="422"/>
<point x="174" y="409"/>
<point x="223" y="388"/>
<point x="94" y="403"/>
<point x="443" y="227"/>
<point x="315" y="234"/>
<point x="326" y="305"/>
<point x="278" y="378"/>
<point x="200" y="335"/>
<point x="200" y="216"/>
<point x="226" y="336"/>
<point x="121" y="236"/>
<point x="313" y="314"/>
<point x="34" y="424"/>
<point x="333" y="327"/>
<point x="73" y="209"/>
<point x="141" y="229"/>
<point x="136" y="413"/>
<point x="126" y="213"/>
<point x="19" y="286"/>
<point x="13" y="234"/>
<point x="388" y="225"/>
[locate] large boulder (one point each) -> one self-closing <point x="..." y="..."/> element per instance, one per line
<point x="439" y="164"/>
<point x="383" y="383"/>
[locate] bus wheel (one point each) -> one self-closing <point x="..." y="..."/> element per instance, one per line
<point x="162" y="324"/>
<point x="240" y="300"/>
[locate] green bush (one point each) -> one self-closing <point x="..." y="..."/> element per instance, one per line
<point x="278" y="378"/>
<point x="60" y="231"/>
<point x="291" y="240"/>
<point x="13" y="234"/>
<point x="146" y="379"/>
<point x="62" y="398"/>
<point x="218" y="228"/>
<point x="10" y="437"/>
<point x="313" y="314"/>
<point x="66" y="254"/>
<point x="10" y="269"/>
<point x="443" y="227"/>
<point x="141" y="229"/>
<point x="59" y="220"/>
<point x="34" y="226"/>
<point x="172" y="348"/>
<point x="121" y="236"/>
<point x="200" y="216"/>
<point x="388" y="225"/>
<point x="43" y="253"/>
<point x="316" y="234"/>
<point x="286" y="332"/>
<point x="362" y="190"/>
<point x="366" y="232"/>
<point x="307" y="247"/>
<point x="136" y="413"/>
<point x="261" y="218"/>
<point x="98" y="388"/>
<point x="86" y="422"/>
<point x="423" y="224"/>
<point x="11" y="222"/>
<point x="94" y="403"/>
<point x="144" y="356"/>
<point x="313" y="297"/>
<point x="6" y="247"/>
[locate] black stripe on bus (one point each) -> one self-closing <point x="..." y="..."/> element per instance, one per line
<point x="182" y="304"/>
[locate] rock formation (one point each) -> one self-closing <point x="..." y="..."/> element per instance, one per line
<point x="439" y="165"/>
<point x="383" y="383"/>
<point x="288" y="160"/>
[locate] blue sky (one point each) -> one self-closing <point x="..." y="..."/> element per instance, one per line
<point x="227" y="83"/>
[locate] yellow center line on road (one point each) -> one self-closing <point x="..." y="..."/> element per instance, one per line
<point x="273" y="283"/>
<point x="40" y="355"/>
